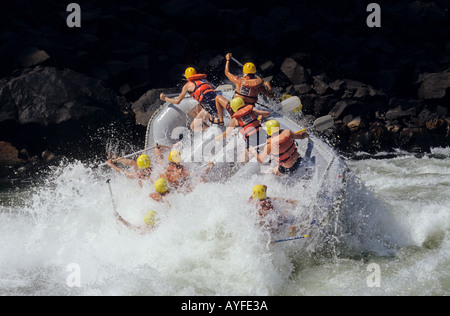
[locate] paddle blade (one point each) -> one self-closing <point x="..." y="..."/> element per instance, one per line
<point x="323" y="123"/>
<point x="291" y="104"/>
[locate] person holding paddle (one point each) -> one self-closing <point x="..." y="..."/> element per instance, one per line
<point x="205" y="94"/>
<point x="248" y="87"/>
<point x="271" y="216"/>
<point x="142" y="167"/>
<point x="281" y="145"/>
<point x="248" y="119"/>
<point x="149" y="220"/>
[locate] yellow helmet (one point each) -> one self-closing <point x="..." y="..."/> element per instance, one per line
<point x="150" y="218"/>
<point x="175" y="156"/>
<point x="249" y="68"/>
<point x="143" y="161"/>
<point x="190" y="72"/>
<point x="259" y="192"/>
<point x="272" y="126"/>
<point x="237" y="103"/>
<point x="285" y="97"/>
<point x="161" y="185"/>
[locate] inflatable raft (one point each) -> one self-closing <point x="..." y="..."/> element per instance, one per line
<point x="319" y="183"/>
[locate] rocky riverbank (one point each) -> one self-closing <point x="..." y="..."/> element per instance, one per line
<point x="69" y="91"/>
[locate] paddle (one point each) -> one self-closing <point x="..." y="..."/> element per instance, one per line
<point x="288" y="239"/>
<point x="320" y="124"/>
<point x="222" y="87"/>
<point x="291" y="104"/>
<point x="112" y="196"/>
<point x="131" y="155"/>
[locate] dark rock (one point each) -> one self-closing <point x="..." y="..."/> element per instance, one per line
<point x="146" y="105"/>
<point x="31" y="57"/>
<point x="308" y="103"/>
<point x="48" y="156"/>
<point x="9" y="155"/>
<point x="398" y="113"/>
<point x="340" y="108"/>
<point x="337" y="85"/>
<point x="299" y="89"/>
<point x="323" y="104"/>
<point x="294" y="72"/>
<point x="321" y="87"/>
<point x="50" y="96"/>
<point x="426" y="116"/>
<point x="435" y="86"/>
<point x="267" y="67"/>
<point x="356" y="123"/>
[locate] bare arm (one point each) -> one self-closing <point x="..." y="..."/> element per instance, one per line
<point x="262" y="113"/>
<point x="180" y="97"/>
<point x="300" y="135"/>
<point x="264" y="155"/>
<point x="119" y="170"/>
<point x="229" y="75"/>
<point x="140" y="229"/>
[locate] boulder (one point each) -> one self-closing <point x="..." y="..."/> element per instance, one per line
<point x="294" y="71"/>
<point x="31" y="56"/>
<point x="50" y="96"/>
<point x="341" y="108"/>
<point x="398" y="113"/>
<point x="435" y="86"/>
<point x="9" y="155"/>
<point x="146" y="105"/>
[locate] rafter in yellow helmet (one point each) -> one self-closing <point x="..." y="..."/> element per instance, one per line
<point x="272" y="126"/>
<point x="175" y="156"/>
<point x="190" y="72"/>
<point x="236" y="104"/>
<point x="161" y="185"/>
<point x="249" y="68"/>
<point x="259" y="192"/>
<point x="143" y="161"/>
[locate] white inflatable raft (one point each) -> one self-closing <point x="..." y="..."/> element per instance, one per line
<point x="322" y="173"/>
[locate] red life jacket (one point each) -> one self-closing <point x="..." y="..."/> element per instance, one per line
<point x="248" y="120"/>
<point x="248" y="90"/>
<point x="202" y="87"/>
<point x="286" y="148"/>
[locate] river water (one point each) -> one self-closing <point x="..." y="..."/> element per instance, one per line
<point x="58" y="236"/>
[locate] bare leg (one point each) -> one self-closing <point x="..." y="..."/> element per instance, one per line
<point x="197" y="124"/>
<point x="221" y="103"/>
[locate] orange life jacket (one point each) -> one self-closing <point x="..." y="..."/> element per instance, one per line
<point x="202" y="87"/>
<point x="248" y="120"/>
<point x="286" y="147"/>
<point x="249" y="90"/>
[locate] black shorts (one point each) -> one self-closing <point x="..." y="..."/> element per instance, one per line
<point x="209" y="103"/>
<point x="292" y="169"/>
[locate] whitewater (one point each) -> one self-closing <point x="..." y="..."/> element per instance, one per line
<point x="394" y="217"/>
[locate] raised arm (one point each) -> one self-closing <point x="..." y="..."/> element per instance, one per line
<point x="228" y="74"/>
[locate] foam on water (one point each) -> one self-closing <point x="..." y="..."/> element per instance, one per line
<point x="209" y="242"/>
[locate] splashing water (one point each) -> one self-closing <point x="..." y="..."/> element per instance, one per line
<point x="209" y="241"/>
